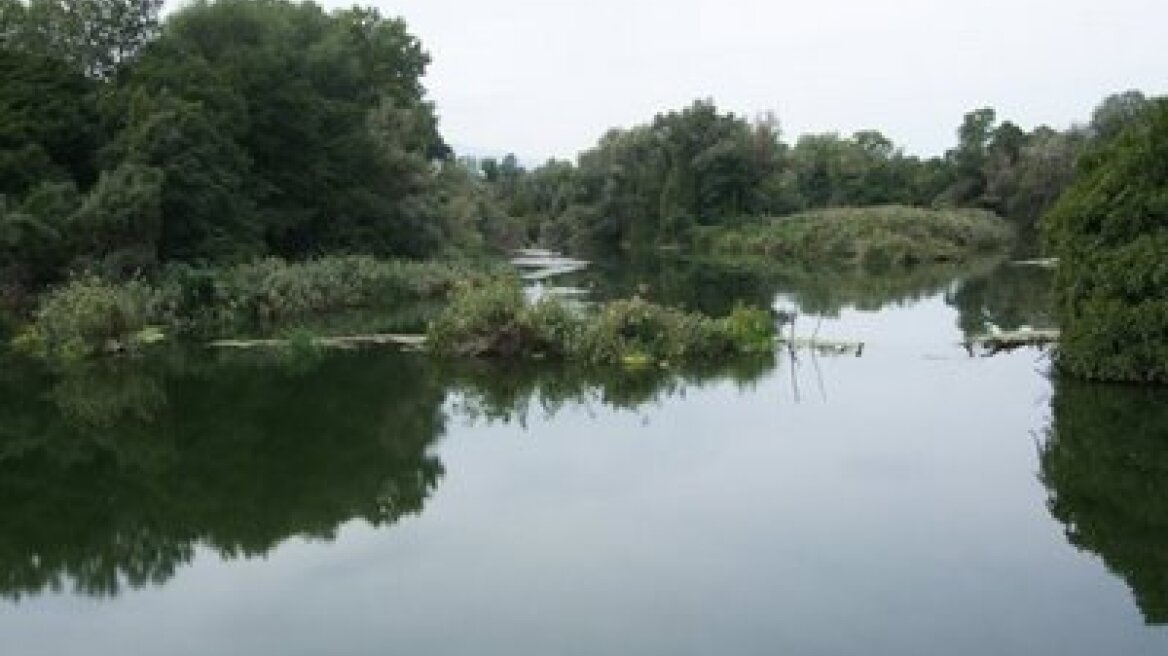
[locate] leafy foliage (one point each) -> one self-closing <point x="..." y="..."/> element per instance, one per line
<point x="95" y="37"/>
<point x="88" y="316"/>
<point x="495" y="320"/>
<point x="1110" y="233"/>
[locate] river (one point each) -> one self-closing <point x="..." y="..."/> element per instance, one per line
<point x="912" y="500"/>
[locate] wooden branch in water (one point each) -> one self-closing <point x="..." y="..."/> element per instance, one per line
<point x="995" y="343"/>
<point x="413" y="342"/>
<point x="1043" y="262"/>
<point x="822" y="346"/>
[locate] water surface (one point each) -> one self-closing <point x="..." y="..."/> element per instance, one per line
<point x="913" y="500"/>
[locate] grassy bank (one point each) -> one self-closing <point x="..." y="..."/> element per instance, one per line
<point x="885" y="236"/>
<point x="89" y="315"/>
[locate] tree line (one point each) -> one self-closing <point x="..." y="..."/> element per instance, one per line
<point x="649" y="184"/>
<point x="240" y="128"/>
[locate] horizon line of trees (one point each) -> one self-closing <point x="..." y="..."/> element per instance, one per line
<point x="647" y="185"/>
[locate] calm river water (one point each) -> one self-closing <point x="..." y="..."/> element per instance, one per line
<point x="914" y="500"/>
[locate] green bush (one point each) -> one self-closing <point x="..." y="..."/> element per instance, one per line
<point x="1110" y="234"/>
<point x="89" y="316"/>
<point x="488" y="320"/>
<point x="636" y="331"/>
<point x="496" y="320"/>
<point x="751" y="330"/>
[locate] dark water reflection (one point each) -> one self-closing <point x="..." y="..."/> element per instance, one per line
<point x="112" y="473"/>
<point x="364" y="502"/>
<point x="1105" y="463"/>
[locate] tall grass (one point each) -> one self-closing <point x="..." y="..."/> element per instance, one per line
<point x="267" y="293"/>
<point x="87" y="315"/>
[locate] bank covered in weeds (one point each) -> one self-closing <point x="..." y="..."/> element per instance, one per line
<point x="890" y="235"/>
<point x="483" y="313"/>
<point x="89" y="315"/>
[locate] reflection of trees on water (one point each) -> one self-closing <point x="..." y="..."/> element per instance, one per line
<point x="511" y="391"/>
<point x="1105" y="465"/>
<point x="1008" y="298"/>
<point x="715" y="286"/>
<point x="680" y="282"/>
<point x="826" y="292"/>
<point x="112" y="474"/>
<point x="985" y="292"/>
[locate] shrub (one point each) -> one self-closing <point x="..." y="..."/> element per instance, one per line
<point x="496" y="320"/>
<point x="750" y="330"/>
<point x="89" y="316"/>
<point x="1109" y="231"/>
<point x="488" y="320"/>
<point x="636" y="331"/>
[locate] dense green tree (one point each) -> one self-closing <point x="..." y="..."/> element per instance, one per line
<point x="968" y="160"/>
<point x="49" y="127"/>
<point x="33" y="234"/>
<point x="328" y="108"/>
<point x="1044" y="168"/>
<point x="649" y="184"/>
<point x="1116" y="112"/>
<point x="206" y="213"/>
<point x="117" y="227"/>
<point x="864" y="169"/>
<point x="1110" y="233"/>
<point x="239" y="128"/>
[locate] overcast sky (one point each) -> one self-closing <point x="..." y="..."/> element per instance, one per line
<point x="547" y="78"/>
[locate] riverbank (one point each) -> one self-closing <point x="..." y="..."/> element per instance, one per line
<point x="89" y="316"/>
<point x="883" y="236"/>
<point x="472" y="309"/>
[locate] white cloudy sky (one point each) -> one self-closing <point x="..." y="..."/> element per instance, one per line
<point x="546" y="77"/>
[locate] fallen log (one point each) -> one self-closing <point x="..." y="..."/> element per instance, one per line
<point x="1043" y="262"/>
<point x="409" y="342"/>
<point x="994" y="343"/>
<point x="822" y="346"/>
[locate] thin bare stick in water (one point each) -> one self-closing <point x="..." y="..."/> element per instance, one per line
<point x="818" y="375"/>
